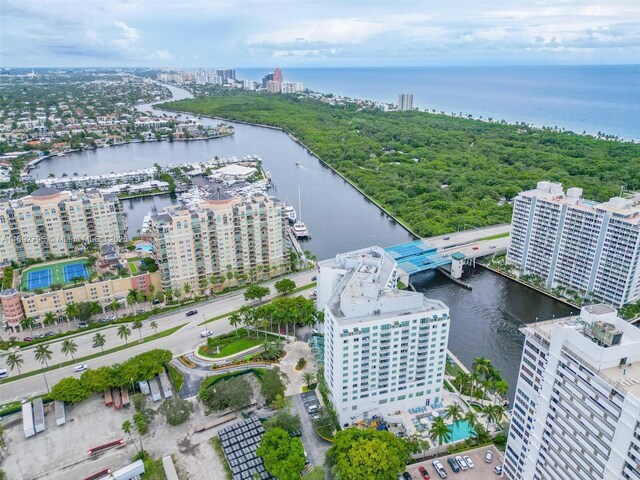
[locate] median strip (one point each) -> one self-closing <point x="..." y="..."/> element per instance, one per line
<point x="150" y="338"/>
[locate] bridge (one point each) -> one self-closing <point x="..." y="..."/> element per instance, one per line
<point x="430" y="253"/>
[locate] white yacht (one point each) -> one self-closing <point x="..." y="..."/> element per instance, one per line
<point x="290" y="212"/>
<point x="299" y="228"/>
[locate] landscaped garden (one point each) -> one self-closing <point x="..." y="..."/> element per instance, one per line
<point x="232" y="343"/>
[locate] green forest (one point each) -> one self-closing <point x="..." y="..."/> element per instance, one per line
<point x="435" y="173"/>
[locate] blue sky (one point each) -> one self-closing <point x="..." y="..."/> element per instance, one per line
<point x="305" y="33"/>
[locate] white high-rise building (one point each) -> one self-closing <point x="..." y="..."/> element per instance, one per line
<point x="589" y="247"/>
<point x="405" y="101"/>
<point x="291" y="87"/>
<point x="576" y="412"/>
<point x="385" y="349"/>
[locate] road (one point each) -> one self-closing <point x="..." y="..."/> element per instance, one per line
<point x="183" y="341"/>
<point x="452" y="240"/>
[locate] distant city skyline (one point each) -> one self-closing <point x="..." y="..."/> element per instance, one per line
<point x="249" y="33"/>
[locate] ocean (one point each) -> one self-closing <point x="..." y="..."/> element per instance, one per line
<point x="588" y="99"/>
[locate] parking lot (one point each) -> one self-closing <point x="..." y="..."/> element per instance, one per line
<point x="315" y="446"/>
<point x="481" y="470"/>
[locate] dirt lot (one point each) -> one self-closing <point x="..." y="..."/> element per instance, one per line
<point x="481" y="471"/>
<point x="61" y="451"/>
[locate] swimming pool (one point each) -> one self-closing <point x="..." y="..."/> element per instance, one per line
<point x="460" y="430"/>
<point x="144" y="247"/>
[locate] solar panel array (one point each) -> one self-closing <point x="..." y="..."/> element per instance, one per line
<point x="239" y="443"/>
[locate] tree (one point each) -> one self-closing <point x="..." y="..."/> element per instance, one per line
<point x="285" y="420"/>
<point x="285" y="286"/>
<point x="234" y="321"/>
<point x="154" y="325"/>
<point x="87" y="309"/>
<point x="132" y="297"/>
<point x="49" y="318"/>
<point x="187" y="289"/>
<point x="126" y="428"/>
<point x="454" y="412"/>
<point x="72" y="310"/>
<point x="43" y="355"/>
<point x="124" y="332"/>
<point x="141" y="425"/>
<point x="440" y="431"/>
<point x="27" y="323"/>
<point x="366" y="453"/>
<point x="234" y="393"/>
<point x="14" y="360"/>
<point x="114" y="306"/>
<point x="176" y="410"/>
<point x="256" y="292"/>
<point x="138" y="326"/>
<point x="97" y="380"/>
<point x="283" y="455"/>
<point x="326" y="421"/>
<point x="99" y="340"/>
<point x="308" y="378"/>
<point x="482" y="366"/>
<point x="69" y="347"/>
<point x="272" y="384"/>
<point x="70" y="389"/>
<point x="471" y="418"/>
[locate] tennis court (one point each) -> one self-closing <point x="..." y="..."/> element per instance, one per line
<point x="39" y="279"/>
<point x="61" y="273"/>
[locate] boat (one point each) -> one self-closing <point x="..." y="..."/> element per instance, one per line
<point x="297" y="164"/>
<point x="290" y="212"/>
<point x="299" y="228"/>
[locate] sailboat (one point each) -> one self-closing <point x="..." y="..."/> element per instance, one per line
<point x="299" y="228"/>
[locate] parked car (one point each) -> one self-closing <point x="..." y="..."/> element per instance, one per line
<point x="80" y="368"/>
<point x="462" y="463"/>
<point x="314" y="331"/>
<point x="424" y="473"/>
<point x="206" y="333"/>
<point x="498" y="469"/>
<point x="467" y="459"/>
<point x="295" y="433"/>
<point x="306" y="457"/>
<point x="190" y="313"/>
<point x="313" y="279"/>
<point x="439" y="469"/>
<point x="453" y="464"/>
<point x="103" y="320"/>
<point x="95" y="345"/>
<point x="488" y="457"/>
<point x="3" y="373"/>
<point x="407" y="476"/>
<point x="49" y="334"/>
<point x="83" y="325"/>
<point x="492" y="246"/>
<point x="39" y="335"/>
<point x="475" y="248"/>
<point x="111" y="317"/>
<point x="27" y="339"/>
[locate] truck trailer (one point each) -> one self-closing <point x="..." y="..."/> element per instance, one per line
<point x="61" y="416"/>
<point x="155" y="390"/>
<point x="27" y="420"/>
<point x="165" y="384"/>
<point x="38" y="415"/>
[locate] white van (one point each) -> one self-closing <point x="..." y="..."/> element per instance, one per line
<point x="3" y="373"/>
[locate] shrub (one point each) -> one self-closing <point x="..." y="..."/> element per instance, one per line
<point x="301" y="364"/>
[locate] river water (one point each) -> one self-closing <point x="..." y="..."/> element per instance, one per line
<point x="485" y="320"/>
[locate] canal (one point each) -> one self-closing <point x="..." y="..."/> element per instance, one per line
<point x="485" y="320"/>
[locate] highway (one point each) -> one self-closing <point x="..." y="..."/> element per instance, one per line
<point x="448" y="241"/>
<point x="184" y="340"/>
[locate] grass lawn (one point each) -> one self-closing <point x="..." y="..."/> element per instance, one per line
<point x="452" y="368"/>
<point x="57" y="271"/>
<point x="231" y="344"/>
<point x="133" y="267"/>
<point x="493" y="237"/>
<point x="153" y="470"/>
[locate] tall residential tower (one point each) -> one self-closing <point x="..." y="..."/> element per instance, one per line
<point x="405" y="101"/>
<point x="576" y="244"/>
<point x="385" y="349"/>
<point x="576" y="412"/>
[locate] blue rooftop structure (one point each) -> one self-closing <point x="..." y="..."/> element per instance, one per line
<point x="417" y="256"/>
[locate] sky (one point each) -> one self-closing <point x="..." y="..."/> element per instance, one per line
<point x="309" y="33"/>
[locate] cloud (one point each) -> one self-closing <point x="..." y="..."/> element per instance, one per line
<point x="128" y="37"/>
<point x="162" y="55"/>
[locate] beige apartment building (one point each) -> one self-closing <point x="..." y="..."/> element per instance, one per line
<point x="51" y="223"/>
<point x="217" y="236"/>
<point x="18" y="305"/>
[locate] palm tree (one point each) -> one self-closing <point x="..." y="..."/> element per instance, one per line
<point x="14" y="360"/>
<point x="235" y="320"/>
<point x="126" y="428"/>
<point x="187" y="289"/>
<point x="439" y="431"/>
<point x="154" y="325"/>
<point x="113" y="306"/>
<point x="248" y="317"/>
<point x="49" y="318"/>
<point x="43" y="355"/>
<point x="99" y="339"/>
<point x="138" y="326"/>
<point x="308" y="378"/>
<point x="494" y="413"/>
<point x="471" y="418"/>
<point x="72" y="311"/>
<point x="29" y="323"/>
<point x="124" y="332"/>
<point x="482" y="366"/>
<point x="454" y="412"/>
<point x="69" y="347"/>
<point x="132" y="297"/>
<point x="462" y="381"/>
